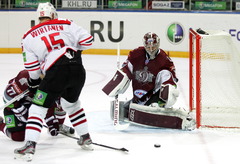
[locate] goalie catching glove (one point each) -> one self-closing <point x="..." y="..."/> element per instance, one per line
<point x="169" y="94"/>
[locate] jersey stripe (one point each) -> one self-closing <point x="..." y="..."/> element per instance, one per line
<point x="32" y="66"/>
<point x="31" y="62"/>
<point x="80" y="122"/>
<point x="86" y="42"/>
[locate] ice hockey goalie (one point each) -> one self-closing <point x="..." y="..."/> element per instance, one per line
<point x="154" y="85"/>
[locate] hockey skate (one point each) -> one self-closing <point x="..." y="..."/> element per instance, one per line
<point x="189" y="123"/>
<point x="66" y="129"/>
<point x="26" y="152"/>
<point x="85" y="142"/>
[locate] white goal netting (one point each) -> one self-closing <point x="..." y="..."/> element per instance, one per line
<point x="219" y="80"/>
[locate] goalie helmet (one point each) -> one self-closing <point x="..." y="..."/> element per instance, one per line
<point x="151" y="44"/>
<point x="46" y="10"/>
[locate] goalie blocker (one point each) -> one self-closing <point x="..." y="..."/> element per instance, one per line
<point x="117" y="85"/>
<point x="155" y="116"/>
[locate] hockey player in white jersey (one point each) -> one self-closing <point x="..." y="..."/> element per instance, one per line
<point x="53" y="48"/>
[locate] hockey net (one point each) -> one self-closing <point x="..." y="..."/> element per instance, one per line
<point x="214" y="79"/>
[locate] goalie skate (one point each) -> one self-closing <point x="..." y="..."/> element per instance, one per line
<point x="26" y="152"/>
<point x="189" y="123"/>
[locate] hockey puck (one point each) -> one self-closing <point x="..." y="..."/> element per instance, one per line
<point x="157" y="145"/>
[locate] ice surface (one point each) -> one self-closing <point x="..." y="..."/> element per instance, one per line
<point x="177" y="147"/>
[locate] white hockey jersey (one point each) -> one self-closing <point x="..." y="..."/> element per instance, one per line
<point x="46" y="42"/>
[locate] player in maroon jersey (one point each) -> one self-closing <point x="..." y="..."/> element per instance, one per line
<point x="16" y="114"/>
<point x="154" y="85"/>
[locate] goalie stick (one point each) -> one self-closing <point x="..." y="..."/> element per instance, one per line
<point x="116" y="111"/>
<point x="16" y="98"/>
<point x="109" y="147"/>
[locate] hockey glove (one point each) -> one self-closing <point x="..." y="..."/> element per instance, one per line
<point x="53" y="126"/>
<point x="33" y="85"/>
<point x="53" y="130"/>
<point x="21" y="113"/>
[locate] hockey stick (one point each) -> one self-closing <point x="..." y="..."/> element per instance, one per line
<point x="116" y="111"/>
<point x="109" y="147"/>
<point x="16" y="98"/>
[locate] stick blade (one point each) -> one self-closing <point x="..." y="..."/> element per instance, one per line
<point x="124" y="150"/>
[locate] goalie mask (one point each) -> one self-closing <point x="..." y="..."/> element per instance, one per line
<point x="151" y="44"/>
<point x="46" y="10"/>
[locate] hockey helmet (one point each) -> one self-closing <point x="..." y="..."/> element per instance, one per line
<point x="46" y="10"/>
<point x="151" y="44"/>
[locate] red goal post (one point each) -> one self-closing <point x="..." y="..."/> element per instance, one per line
<point x="214" y="79"/>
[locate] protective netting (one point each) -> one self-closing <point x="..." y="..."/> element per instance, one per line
<point x="219" y="80"/>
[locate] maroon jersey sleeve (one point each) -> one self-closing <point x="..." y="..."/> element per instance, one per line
<point x="167" y="64"/>
<point x="15" y="87"/>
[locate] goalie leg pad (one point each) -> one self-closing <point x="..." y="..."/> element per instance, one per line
<point x="160" y="117"/>
<point x="154" y="120"/>
<point x="122" y="110"/>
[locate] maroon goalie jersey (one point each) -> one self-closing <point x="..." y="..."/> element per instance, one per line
<point x="143" y="71"/>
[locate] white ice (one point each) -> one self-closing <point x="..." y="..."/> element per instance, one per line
<point x="200" y="146"/>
